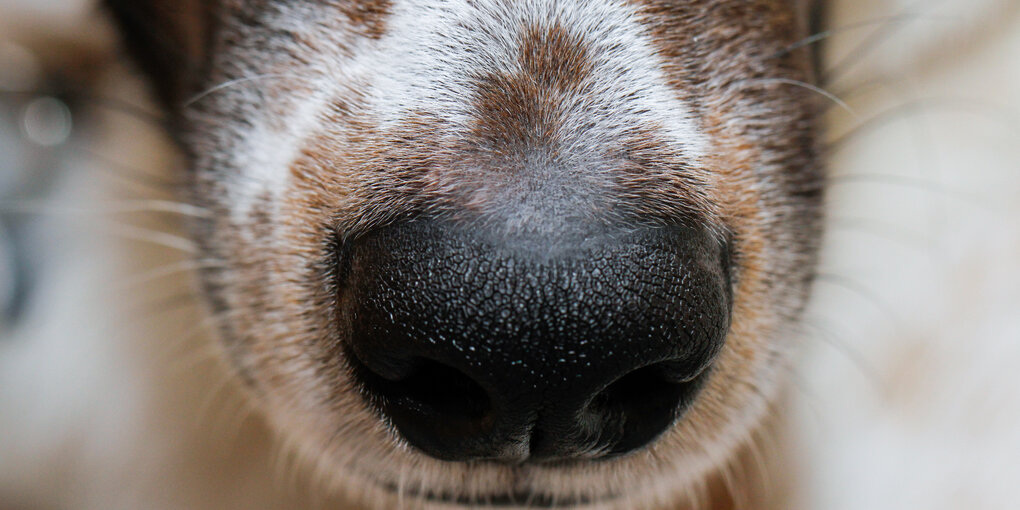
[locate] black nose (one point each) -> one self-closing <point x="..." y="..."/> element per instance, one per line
<point x="481" y="346"/>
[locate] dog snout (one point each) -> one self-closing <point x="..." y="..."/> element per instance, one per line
<point x="476" y="345"/>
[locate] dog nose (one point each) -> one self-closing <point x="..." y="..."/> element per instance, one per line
<point x="476" y="345"/>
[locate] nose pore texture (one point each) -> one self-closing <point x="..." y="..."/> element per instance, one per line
<point x="481" y="347"/>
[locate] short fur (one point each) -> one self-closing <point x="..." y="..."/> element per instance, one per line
<point x="308" y="122"/>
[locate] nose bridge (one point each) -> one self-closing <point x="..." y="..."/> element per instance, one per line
<point x="548" y="332"/>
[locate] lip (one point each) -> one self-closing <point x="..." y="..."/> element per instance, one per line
<point x="501" y="500"/>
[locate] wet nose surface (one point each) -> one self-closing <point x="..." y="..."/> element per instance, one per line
<point x="481" y="347"/>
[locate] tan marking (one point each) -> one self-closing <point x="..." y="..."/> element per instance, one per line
<point x="367" y="16"/>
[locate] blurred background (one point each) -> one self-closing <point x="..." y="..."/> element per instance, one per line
<point x="907" y="392"/>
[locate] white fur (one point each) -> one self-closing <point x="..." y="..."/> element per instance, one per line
<point x="432" y="50"/>
<point x="427" y="60"/>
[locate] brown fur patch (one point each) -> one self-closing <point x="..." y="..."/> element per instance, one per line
<point x="367" y="16"/>
<point x="521" y="111"/>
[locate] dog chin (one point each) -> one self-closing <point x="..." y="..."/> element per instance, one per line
<point x="434" y="485"/>
<point x="521" y="499"/>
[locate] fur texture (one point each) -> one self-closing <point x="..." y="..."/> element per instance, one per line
<point x="313" y="121"/>
<point x="304" y="122"/>
<point x="321" y="120"/>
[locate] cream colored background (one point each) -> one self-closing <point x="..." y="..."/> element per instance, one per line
<point x="911" y="400"/>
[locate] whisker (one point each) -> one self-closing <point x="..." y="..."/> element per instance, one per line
<point x="163" y="305"/>
<point x="218" y="389"/>
<point x="832" y="32"/>
<point x="282" y="463"/>
<point x="730" y="480"/>
<point x="234" y="420"/>
<point x="186" y="352"/>
<point x="807" y="394"/>
<point x="131" y="174"/>
<point x="863" y="291"/>
<point x="107" y="226"/>
<point x="47" y="207"/>
<point x="855" y="90"/>
<point x="104" y="102"/>
<point x="826" y="334"/>
<point x="700" y="497"/>
<point x="927" y="162"/>
<point x="170" y="270"/>
<point x="152" y="236"/>
<point x="804" y="85"/>
<point x="764" y="476"/>
<point x="238" y="81"/>
<point x="125" y="107"/>
<point x="882" y="34"/>
<point x="884" y="230"/>
<point x="928" y="105"/>
<point x="906" y="181"/>
<point x="401" y="487"/>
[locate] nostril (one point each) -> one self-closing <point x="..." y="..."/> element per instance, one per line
<point x="430" y="388"/>
<point x="646" y="402"/>
<point x="443" y="390"/>
<point x="436" y="407"/>
<point x="679" y="371"/>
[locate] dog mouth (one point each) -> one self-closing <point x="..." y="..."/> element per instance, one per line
<point x="513" y="499"/>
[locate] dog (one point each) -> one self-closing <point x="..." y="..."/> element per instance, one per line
<point x="473" y="254"/>
<point x="536" y="253"/>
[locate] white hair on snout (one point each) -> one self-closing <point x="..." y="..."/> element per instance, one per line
<point x="429" y="60"/>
